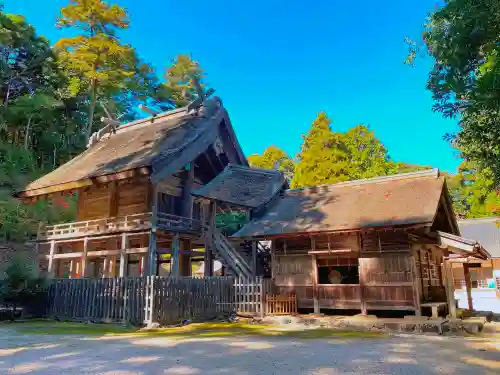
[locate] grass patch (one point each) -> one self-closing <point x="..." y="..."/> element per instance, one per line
<point x="50" y="327"/>
<point x="195" y="330"/>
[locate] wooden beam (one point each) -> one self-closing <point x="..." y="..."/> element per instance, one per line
<point x="68" y="255"/>
<point x="97" y="237"/>
<point x="103" y="253"/>
<point x="53" y="189"/>
<point x="338" y="251"/>
<point x="124" y="175"/>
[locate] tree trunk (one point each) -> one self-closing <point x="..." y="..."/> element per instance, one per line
<point x="27" y="133"/>
<point x="93" y="100"/>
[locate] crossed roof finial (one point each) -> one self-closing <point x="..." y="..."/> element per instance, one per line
<point x="202" y="95"/>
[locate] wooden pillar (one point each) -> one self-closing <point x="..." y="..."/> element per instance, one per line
<point x="51" y="267"/>
<point x="185" y="259"/>
<point x="123" y="256"/>
<point x="113" y="199"/>
<point x="105" y="272"/>
<point x="175" y="256"/>
<point x="71" y="268"/>
<point x="209" y="218"/>
<point x="450" y="288"/>
<point x="187" y="198"/>
<point x="37" y="258"/>
<point x="85" y="259"/>
<point x="314" y="276"/>
<point x="416" y="286"/>
<point x="152" y="256"/>
<point x="254" y="258"/>
<point x="468" y="285"/>
<point x="273" y="258"/>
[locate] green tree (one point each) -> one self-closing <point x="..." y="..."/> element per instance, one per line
<point x="27" y="66"/>
<point x="96" y="61"/>
<point x="367" y="156"/>
<point x="323" y="157"/>
<point x="179" y="77"/>
<point x="462" y="38"/>
<point x="273" y="158"/>
<point x="472" y="191"/>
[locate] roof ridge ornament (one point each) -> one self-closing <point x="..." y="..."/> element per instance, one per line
<point x="111" y="124"/>
<point x="201" y="98"/>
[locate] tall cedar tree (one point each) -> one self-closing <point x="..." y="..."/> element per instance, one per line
<point x="179" y="77"/>
<point x="273" y="158"/>
<point x="95" y="60"/>
<point x="323" y="158"/>
<point x="367" y="156"/>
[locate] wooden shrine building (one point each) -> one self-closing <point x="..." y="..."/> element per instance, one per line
<point x="374" y="244"/>
<point x="148" y="193"/>
<point x="133" y="185"/>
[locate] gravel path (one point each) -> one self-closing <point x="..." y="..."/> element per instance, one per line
<point x="36" y="354"/>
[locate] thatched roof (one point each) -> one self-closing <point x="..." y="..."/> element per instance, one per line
<point x="243" y="186"/>
<point x="400" y="200"/>
<point x="148" y="145"/>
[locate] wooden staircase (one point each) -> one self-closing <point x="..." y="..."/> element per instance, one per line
<point x="237" y="261"/>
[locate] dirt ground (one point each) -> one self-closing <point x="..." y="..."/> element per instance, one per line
<point x="401" y="354"/>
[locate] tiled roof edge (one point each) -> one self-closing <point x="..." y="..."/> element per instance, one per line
<point x="402" y="176"/>
<point x="252" y="169"/>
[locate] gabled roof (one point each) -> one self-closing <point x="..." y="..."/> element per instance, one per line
<point x="243" y="186"/>
<point x="461" y="246"/>
<point x="399" y="200"/>
<point x="149" y="144"/>
<point x="484" y="230"/>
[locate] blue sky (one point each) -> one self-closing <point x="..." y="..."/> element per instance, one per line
<point x="277" y="63"/>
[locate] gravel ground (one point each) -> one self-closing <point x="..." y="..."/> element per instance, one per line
<point x="403" y="354"/>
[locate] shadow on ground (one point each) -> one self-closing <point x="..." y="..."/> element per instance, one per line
<point x="404" y="354"/>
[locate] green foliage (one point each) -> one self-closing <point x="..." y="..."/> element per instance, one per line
<point x="328" y="157"/>
<point x="462" y="37"/>
<point x="178" y="80"/>
<point x="367" y="156"/>
<point x="323" y="156"/>
<point x="273" y="158"/>
<point x="95" y="60"/>
<point x="20" y="286"/>
<point x="473" y="193"/>
<point x="229" y="223"/>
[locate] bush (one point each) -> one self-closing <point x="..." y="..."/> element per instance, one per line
<point x="21" y="288"/>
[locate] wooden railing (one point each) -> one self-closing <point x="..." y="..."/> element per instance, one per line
<point x="97" y="226"/>
<point x="178" y="223"/>
<point x="281" y="305"/>
<point x="118" y="224"/>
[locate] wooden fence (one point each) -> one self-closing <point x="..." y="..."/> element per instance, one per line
<point x="104" y="300"/>
<point x="250" y="294"/>
<point x="164" y="300"/>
